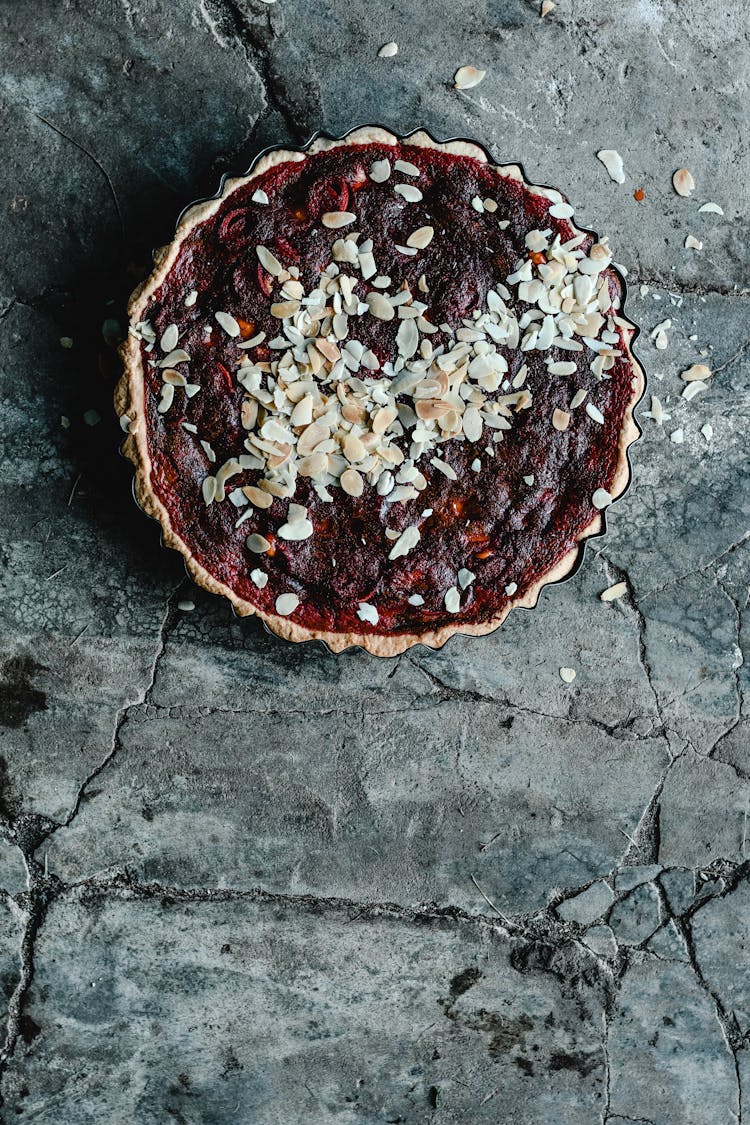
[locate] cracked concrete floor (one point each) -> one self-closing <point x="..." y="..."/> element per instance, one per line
<point x="249" y="882"/>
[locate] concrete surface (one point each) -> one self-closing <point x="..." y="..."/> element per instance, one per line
<point x="249" y="882"/>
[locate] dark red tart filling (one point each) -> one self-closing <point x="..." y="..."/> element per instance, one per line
<point x="505" y="331"/>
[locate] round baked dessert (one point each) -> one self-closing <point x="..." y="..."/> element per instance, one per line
<point x="380" y="390"/>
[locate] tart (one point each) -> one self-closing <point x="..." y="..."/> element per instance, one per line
<point x="380" y="390"/>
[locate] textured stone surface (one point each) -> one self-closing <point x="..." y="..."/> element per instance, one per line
<point x="255" y="882"/>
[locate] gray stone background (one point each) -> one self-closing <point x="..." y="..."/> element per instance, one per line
<point x="244" y="881"/>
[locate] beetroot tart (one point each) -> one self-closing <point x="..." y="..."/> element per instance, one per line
<point x="380" y="390"/>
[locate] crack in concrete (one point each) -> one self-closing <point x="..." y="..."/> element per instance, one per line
<point x="736" y="668"/>
<point x="30" y="831"/>
<point x="699" y="569"/>
<point x="297" y="102"/>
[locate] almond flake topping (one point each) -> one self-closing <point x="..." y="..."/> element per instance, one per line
<point x="601" y="499"/>
<point x="711" y="208"/>
<point x="259" y="196"/>
<point x="421" y="237"/>
<point x="405" y="542"/>
<point x="228" y="323"/>
<point x="452" y="599"/>
<point x="560" y="419"/>
<point x="467" y="77"/>
<point x="380" y="171"/>
<point x="169" y="338"/>
<point x="368" y="612"/>
<point x="388" y="50"/>
<point x="268" y="260"/>
<point x="410" y="193"/>
<point x="259" y="577"/>
<point x="336" y="219"/>
<point x="511" y="588"/>
<point x="407" y="168"/>
<point x="567" y="675"/>
<point x="286" y="604"/>
<point x="693" y="243"/>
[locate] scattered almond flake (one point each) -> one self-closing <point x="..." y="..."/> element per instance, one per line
<point x="682" y="182"/>
<point x="259" y="577"/>
<point x="192" y="389"/>
<point x="612" y="593"/>
<point x="511" y="588"/>
<point x="465" y="578"/>
<point x="452" y="599"/>
<point x="208" y="451"/>
<point x="692" y="243"/>
<point x="295" y="530"/>
<point x="478" y="204"/>
<point x="167" y="397"/>
<point x="698" y="371"/>
<point x="421" y="237"/>
<point x="392" y="534"/>
<point x="405" y="542"/>
<point x="66" y="342"/>
<point x="336" y="219"/>
<point x="191" y="298"/>
<point x="259" y="196"/>
<point x="410" y="193"/>
<point x="476" y="465"/>
<point x="612" y="161"/>
<point x="175" y="357"/>
<point x="661" y="341"/>
<point x="226" y="321"/>
<point x="186" y="606"/>
<point x="710" y="208"/>
<point x="644" y="290"/>
<point x="529" y="479"/>
<point x="379" y="306"/>
<point x="125" y="421"/>
<point x="707" y="431"/>
<point x="409" y="251"/>
<point x="368" y="612"/>
<point x="690" y="390"/>
<point x="415" y="599"/>
<point x="380" y="171"/>
<point x="560" y="419"/>
<point x="258" y="544"/>
<point x="268" y="260"/>
<point x="407" y="168"/>
<point x="561" y="211"/>
<point x="467" y="76"/>
<point x="594" y="413"/>
<point x="677" y="436"/>
<point x="286" y="604"/>
<point x="169" y="338"/>
<point x="351" y="482"/>
<point x="562" y="367"/>
<point x="444" y="467"/>
<point x="578" y="398"/>
<point x="208" y="489"/>
<point x="657" y="412"/>
<point x="547" y="7"/>
<point x="388" y="50"/>
<point x="567" y="675"/>
<point x="601" y="499"/>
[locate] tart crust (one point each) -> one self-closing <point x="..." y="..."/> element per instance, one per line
<point x="129" y="400"/>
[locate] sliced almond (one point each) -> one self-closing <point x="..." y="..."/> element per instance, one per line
<point x="421" y="237"/>
<point x="268" y="260"/>
<point x="258" y="544"/>
<point x="286" y="604"/>
<point x="682" y="182"/>
<point x="351" y="482"/>
<point x="379" y="306"/>
<point x="560" y="419"/>
<point x="388" y="50"/>
<point x="697" y="371"/>
<point x="336" y="219"/>
<point x="410" y="193"/>
<point x="257" y="496"/>
<point x="380" y="171"/>
<point x="612" y="161"/>
<point x="467" y="77"/>
<point x="612" y="593"/>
